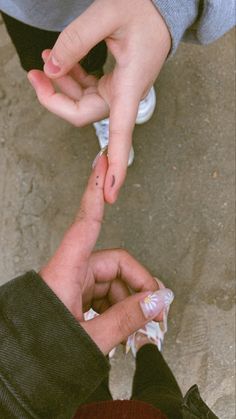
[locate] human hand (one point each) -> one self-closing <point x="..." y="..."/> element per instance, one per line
<point x="112" y="282"/>
<point x="139" y="40"/>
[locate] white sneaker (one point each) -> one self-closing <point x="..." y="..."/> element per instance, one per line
<point x="102" y="131"/>
<point x="145" y="111"/>
<point x="146" y="107"/>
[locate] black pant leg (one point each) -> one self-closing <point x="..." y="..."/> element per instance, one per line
<point x="30" y="42"/>
<point x="154" y="383"/>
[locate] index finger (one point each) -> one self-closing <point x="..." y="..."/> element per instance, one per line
<point x="90" y="215"/>
<point x="81" y="237"/>
<point x="123" y="113"/>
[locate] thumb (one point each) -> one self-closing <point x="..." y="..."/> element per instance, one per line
<point x="78" y="38"/>
<point x="123" y="112"/>
<point x="124" y="318"/>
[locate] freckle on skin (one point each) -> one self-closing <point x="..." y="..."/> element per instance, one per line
<point x="97" y="177"/>
<point x="113" y="181"/>
<point x="96" y="184"/>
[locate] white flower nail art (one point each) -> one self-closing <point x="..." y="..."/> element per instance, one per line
<point x="154" y="303"/>
<point x="168" y="298"/>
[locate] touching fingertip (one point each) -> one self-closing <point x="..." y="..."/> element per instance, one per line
<point x="111" y="196"/>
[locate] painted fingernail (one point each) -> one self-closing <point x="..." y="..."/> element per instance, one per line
<point x="101" y="152"/>
<point x="154" y="303"/>
<point x="163" y="324"/>
<point x="159" y="283"/>
<point x="52" y="65"/>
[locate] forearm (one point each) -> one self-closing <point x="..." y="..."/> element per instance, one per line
<point x="48" y="364"/>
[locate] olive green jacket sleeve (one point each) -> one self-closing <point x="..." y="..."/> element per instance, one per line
<point x="48" y="364"/>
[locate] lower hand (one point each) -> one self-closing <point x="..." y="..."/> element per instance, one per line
<point x="111" y="282"/>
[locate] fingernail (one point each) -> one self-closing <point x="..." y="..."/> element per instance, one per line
<point x="163" y="323"/>
<point x="154" y="303"/>
<point x="159" y="283"/>
<point x="101" y="152"/>
<point x="52" y="65"/>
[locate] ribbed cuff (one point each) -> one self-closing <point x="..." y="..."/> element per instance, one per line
<point x="47" y="361"/>
<point x="179" y="16"/>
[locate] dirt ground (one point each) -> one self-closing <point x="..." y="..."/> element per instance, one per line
<point x="175" y="212"/>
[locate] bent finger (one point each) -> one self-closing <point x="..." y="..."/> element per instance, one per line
<point x="112" y="264"/>
<point x="79" y="113"/>
<point x="108" y="265"/>
<point x="117" y="323"/>
<point x="77" y="39"/>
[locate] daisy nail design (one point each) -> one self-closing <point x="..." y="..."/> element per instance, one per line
<point x="154" y="303"/>
<point x="168" y="298"/>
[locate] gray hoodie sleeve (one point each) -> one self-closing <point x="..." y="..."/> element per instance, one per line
<point x="199" y="21"/>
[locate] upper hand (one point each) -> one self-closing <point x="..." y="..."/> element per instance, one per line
<point x="112" y="282"/>
<point x="139" y="40"/>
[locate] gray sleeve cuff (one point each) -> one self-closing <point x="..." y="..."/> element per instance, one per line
<point x="178" y="16"/>
<point x="196" y="21"/>
<point x="217" y="17"/>
<point x="48" y="363"/>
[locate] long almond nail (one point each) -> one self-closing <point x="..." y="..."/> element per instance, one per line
<point x="154" y="303"/>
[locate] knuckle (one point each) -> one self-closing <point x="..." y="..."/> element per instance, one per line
<point x="81" y="215"/>
<point x="85" y="216"/>
<point x="123" y="254"/>
<point x="125" y="322"/>
<point x="71" y="41"/>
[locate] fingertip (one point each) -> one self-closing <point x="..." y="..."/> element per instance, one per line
<point x="45" y="54"/>
<point x="110" y="196"/>
<point x="111" y="188"/>
<point x="101" y="163"/>
<point x="99" y="170"/>
<point x="114" y="180"/>
<point x="32" y="77"/>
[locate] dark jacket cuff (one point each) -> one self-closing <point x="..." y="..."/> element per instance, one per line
<point x="47" y="361"/>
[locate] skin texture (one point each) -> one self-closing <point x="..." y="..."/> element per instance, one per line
<point x="112" y="282"/>
<point x="139" y="40"/>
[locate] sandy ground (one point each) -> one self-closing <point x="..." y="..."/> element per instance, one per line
<point x="175" y="212"/>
